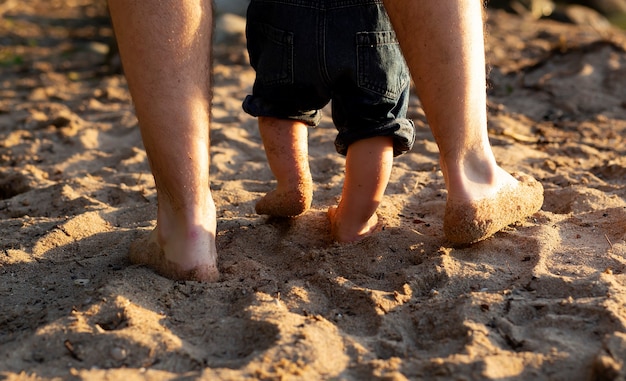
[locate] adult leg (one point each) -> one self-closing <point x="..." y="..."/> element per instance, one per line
<point x="286" y="148"/>
<point x="368" y="167"/>
<point x="443" y="44"/>
<point x="165" y="48"/>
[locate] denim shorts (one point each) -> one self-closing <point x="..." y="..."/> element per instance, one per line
<point x="307" y="53"/>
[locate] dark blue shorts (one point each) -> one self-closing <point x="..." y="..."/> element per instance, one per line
<point x="307" y="53"/>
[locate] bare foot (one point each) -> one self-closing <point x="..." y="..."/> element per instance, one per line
<point x="467" y="222"/>
<point x="343" y="230"/>
<point x="202" y="268"/>
<point x="289" y="203"/>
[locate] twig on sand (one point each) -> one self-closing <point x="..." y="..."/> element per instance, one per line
<point x="608" y="240"/>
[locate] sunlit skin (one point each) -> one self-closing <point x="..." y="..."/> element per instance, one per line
<point x="449" y="37"/>
<point x="368" y="167"/>
<point x="286" y="148"/>
<point x="165" y="48"/>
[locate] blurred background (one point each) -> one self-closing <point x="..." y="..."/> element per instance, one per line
<point x="80" y="29"/>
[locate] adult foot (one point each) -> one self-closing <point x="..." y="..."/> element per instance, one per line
<point x="344" y="230"/>
<point x="470" y="221"/>
<point x="200" y="263"/>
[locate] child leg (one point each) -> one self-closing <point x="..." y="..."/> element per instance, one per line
<point x="286" y="148"/>
<point x="368" y="167"/>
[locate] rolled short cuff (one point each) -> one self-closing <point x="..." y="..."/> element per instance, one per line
<point x="401" y="130"/>
<point x="256" y="107"/>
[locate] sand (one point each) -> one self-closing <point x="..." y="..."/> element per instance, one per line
<point x="543" y="299"/>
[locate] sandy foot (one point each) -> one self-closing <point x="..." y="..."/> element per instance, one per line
<point x="341" y="232"/>
<point x="147" y="251"/>
<point x="286" y="203"/>
<point x="473" y="221"/>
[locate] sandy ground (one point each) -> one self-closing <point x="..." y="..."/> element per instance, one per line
<point x="542" y="300"/>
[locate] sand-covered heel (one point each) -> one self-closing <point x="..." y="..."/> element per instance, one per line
<point x="146" y="251"/>
<point x="286" y="204"/>
<point x="473" y="221"/>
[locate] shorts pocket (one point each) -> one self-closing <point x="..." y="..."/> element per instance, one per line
<point x="381" y="66"/>
<point x="271" y="53"/>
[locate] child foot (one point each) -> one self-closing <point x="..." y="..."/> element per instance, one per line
<point x="147" y="251"/>
<point x="467" y="222"/>
<point x="286" y="203"/>
<point x="344" y="232"/>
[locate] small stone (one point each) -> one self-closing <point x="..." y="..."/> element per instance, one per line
<point x="118" y="353"/>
